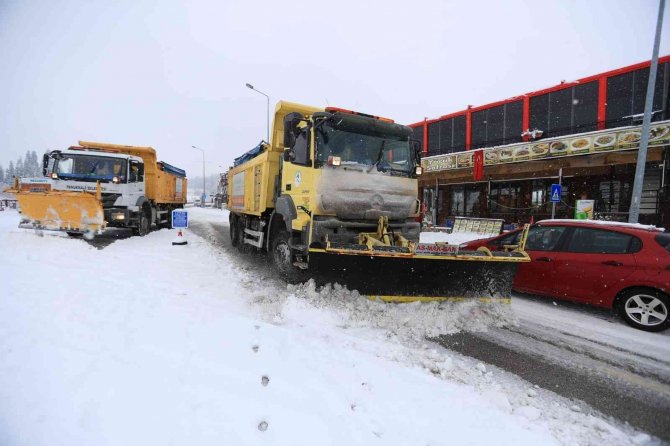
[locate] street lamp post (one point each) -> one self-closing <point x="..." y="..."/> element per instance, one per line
<point x="251" y="87"/>
<point x="202" y="197"/>
<point x="636" y="196"/>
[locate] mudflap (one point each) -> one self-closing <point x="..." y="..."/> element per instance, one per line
<point x="411" y="279"/>
<point x="62" y="211"/>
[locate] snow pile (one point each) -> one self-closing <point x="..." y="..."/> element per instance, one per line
<point x="143" y="342"/>
<point x="410" y="321"/>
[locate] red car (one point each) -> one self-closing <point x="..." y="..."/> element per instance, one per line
<point x="621" y="266"/>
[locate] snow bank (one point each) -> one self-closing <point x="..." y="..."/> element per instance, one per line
<point x="147" y="343"/>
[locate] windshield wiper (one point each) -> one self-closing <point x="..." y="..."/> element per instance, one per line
<point x="379" y="156"/>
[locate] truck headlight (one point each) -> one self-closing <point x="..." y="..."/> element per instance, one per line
<point x="118" y="216"/>
<point x="54" y="175"/>
<point x="334" y="160"/>
<point x="419" y="170"/>
<point x="115" y="180"/>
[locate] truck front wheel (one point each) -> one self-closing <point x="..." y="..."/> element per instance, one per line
<point x="283" y="259"/>
<point x="142" y="228"/>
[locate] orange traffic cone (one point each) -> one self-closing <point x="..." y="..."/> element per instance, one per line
<point x="179" y="240"/>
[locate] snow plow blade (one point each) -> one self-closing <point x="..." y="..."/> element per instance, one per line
<point x="423" y="272"/>
<point x="60" y="210"/>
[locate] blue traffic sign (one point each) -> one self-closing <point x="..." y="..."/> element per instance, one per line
<point x="555" y="193"/>
<point x="179" y="219"/>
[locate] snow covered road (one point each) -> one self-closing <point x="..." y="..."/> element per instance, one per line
<point x="147" y="343"/>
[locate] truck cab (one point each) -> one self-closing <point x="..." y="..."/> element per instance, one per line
<point x="121" y="179"/>
<point x="347" y="170"/>
<point x="94" y="185"/>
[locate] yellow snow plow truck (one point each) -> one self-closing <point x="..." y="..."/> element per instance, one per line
<point x="93" y="186"/>
<point x="337" y="190"/>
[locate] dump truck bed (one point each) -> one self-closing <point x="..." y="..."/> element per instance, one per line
<point x="253" y="184"/>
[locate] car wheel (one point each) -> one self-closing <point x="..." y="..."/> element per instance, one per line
<point x="645" y="309"/>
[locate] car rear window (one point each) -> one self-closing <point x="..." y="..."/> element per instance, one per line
<point x="663" y="240"/>
<point x="598" y="241"/>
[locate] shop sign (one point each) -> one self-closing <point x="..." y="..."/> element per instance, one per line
<point x="581" y="144"/>
<point x="584" y="209"/>
<point x="489" y="226"/>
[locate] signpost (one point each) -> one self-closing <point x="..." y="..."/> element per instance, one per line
<point x="179" y="221"/>
<point x="556" y="191"/>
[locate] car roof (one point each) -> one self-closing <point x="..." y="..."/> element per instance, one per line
<point x="602" y="223"/>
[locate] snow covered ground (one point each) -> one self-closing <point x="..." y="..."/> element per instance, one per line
<point x="148" y="343"/>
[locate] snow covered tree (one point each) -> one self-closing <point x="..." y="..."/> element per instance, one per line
<point x="11" y="172"/>
<point x="20" y="169"/>
<point x="2" y="174"/>
<point x="31" y="165"/>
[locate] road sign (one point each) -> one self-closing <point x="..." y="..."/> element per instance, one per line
<point x="555" y="193"/>
<point x="179" y="218"/>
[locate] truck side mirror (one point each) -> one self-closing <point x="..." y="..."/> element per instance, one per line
<point x="45" y="164"/>
<point x="291" y="122"/>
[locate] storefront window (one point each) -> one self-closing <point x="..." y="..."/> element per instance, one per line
<point x="457" y="201"/>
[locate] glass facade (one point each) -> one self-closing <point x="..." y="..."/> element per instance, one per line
<point x="626" y="94"/>
<point x="497" y="125"/>
<point x="567" y="111"/>
<point x="446" y="136"/>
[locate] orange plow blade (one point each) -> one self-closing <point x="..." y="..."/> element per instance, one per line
<point x="61" y="211"/>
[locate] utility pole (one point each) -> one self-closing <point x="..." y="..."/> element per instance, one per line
<point x="636" y="198"/>
<point x="202" y="198"/>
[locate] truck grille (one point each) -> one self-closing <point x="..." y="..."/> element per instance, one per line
<point x="108" y="199"/>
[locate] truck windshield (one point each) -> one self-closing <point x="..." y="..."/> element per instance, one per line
<point x="383" y="153"/>
<point x="90" y="168"/>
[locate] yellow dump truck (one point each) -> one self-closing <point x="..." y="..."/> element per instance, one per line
<point x="93" y="186"/>
<point x="336" y="189"/>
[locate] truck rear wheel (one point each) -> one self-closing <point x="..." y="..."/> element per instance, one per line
<point x="235" y="233"/>
<point x="283" y="259"/>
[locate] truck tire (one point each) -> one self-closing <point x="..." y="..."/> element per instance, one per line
<point x="143" y="224"/>
<point x="235" y="233"/>
<point x="280" y="253"/>
<point x="168" y="220"/>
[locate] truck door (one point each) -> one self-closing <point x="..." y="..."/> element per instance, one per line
<point x="135" y="187"/>
<point x="298" y="175"/>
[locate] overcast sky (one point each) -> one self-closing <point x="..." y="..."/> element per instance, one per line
<point x="172" y="74"/>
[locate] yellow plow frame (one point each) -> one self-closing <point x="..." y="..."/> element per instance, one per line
<point x="386" y="266"/>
